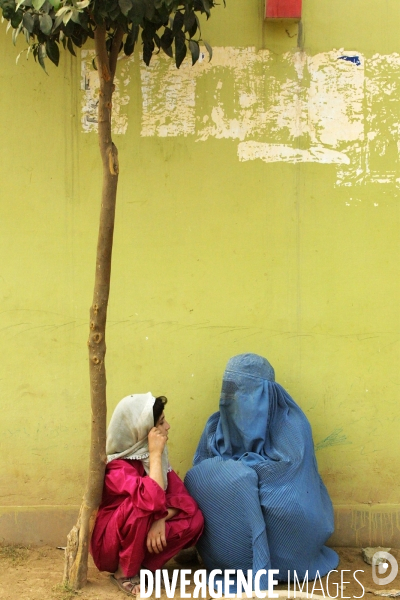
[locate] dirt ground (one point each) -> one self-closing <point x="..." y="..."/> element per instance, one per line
<point x="36" y="573"/>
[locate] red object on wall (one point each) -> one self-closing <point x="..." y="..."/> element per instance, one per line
<point x="283" y="9"/>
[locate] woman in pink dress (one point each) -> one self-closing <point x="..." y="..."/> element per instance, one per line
<point x="146" y="515"/>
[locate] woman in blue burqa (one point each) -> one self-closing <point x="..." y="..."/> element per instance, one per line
<point x="256" y="480"/>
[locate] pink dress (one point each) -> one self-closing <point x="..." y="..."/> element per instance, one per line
<point x="131" y="502"/>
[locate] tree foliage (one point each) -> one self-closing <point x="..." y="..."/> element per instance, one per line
<point x="169" y="25"/>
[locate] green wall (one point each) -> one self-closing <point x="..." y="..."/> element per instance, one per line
<point x="258" y="211"/>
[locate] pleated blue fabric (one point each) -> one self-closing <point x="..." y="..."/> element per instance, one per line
<point x="256" y="480"/>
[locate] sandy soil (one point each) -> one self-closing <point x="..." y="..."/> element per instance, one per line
<point x="36" y="573"/>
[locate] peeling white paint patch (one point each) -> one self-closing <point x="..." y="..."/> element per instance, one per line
<point x="319" y="97"/>
<point x="168" y="98"/>
<point x="169" y="95"/>
<point x="90" y="86"/>
<point x="316" y="102"/>
<point x="335" y="99"/>
<point x="336" y="107"/>
<point x="237" y="111"/>
<point x="284" y="153"/>
<point x="382" y="118"/>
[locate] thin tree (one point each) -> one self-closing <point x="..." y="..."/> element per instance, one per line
<point x="115" y="25"/>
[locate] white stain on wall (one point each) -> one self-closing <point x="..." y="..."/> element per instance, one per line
<point x="168" y="98"/>
<point x="320" y="97"/>
<point x="380" y="147"/>
<point x="331" y="108"/>
<point x="284" y="153"/>
<point x="235" y="89"/>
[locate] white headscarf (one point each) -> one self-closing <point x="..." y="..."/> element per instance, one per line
<point x="127" y="432"/>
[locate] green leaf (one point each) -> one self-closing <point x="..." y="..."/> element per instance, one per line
<point x="55" y="4"/>
<point x="46" y="7"/>
<point x="136" y="14"/>
<point x="125" y="6"/>
<point x="192" y="32"/>
<point x="148" y="49"/>
<point x="189" y="20"/>
<point x="194" y="50"/>
<point x="53" y="51"/>
<point x="166" y="41"/>
<point x="60" y="16"/>
<point x="46" y="24"/>
<point x="150" y="9"/>
<point x="41" y="56"/>
<point x="168" y="51"/>
<point x="131" y="40"/>
<point x="206" y="4"/>
<point x="178" y="22"/>
<point x="180" y="48"/>
<point x="37" y="4"/>
<point x="28" y="21"/>
<point x="84" y="20"/>
<point x="114" y="13"/>
<point x="67" y="17"/>
<point x="16" y="19"/>
<point x="16" y="33"/>
<point x="197" y="22"/>
<point x="58" y="22"/>
<point x="79" y="37"/>
<point x="157" y="40"/>
<point x="76" y="17"/>
<point x="129" y="47"/>
<point x="70" y="46"/>
<point x="209" y="50"/>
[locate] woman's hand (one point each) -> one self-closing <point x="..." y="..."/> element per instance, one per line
<point x="156" y="541"/>
<point x="157" y="441"/>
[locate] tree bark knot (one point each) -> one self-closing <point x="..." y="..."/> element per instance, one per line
<point x="106" y="73"/>
<point x="113" y="160"/>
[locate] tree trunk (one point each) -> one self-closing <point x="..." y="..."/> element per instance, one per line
<point x="76" y="555"/>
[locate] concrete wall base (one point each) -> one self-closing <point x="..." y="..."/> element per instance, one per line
<point x="367" y="525"/>
<point x="355" y="525"/>
<point x="37" y="525"/>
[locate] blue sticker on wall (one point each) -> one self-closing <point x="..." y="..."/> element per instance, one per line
<point x="353" y="59"/>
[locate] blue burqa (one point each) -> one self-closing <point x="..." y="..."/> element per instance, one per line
<point x="256" y="480"/>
